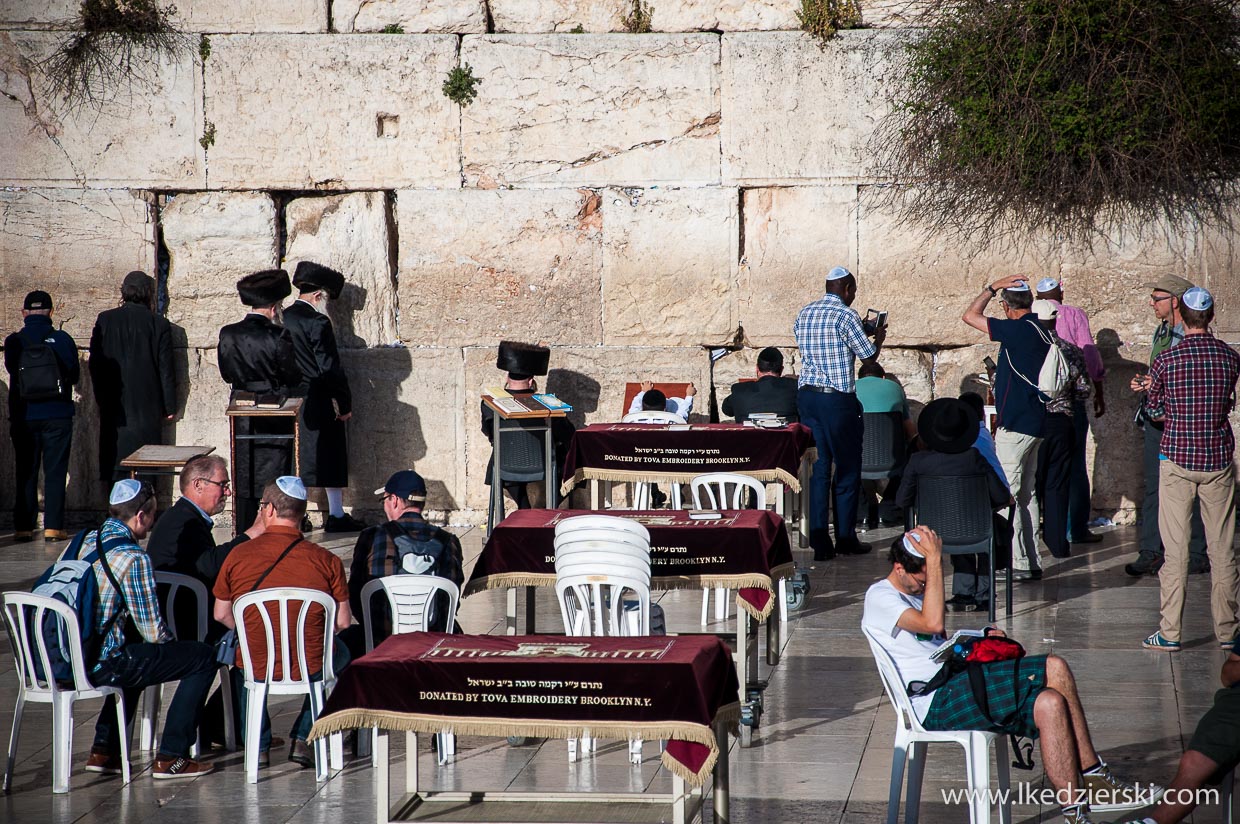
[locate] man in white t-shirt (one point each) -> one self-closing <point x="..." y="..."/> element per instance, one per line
<point x="1035" y="697"/>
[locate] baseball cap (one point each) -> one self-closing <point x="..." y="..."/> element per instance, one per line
<point x="1197" y="299"/>
<point x="38" y="299"/>
<point x="405" y="484"/>
<point x="1171" y="284"/>
<point x="1045" y="309"/>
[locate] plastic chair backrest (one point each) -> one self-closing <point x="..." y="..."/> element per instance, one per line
<point x="634" y="547"/>
<point x="652" y="416"/>
<point x="610" y="563"/>
<point x="521" y="455"/>
<point x="284" y="599"/>
<point x="409" y="598"/>
<point x="957" y="507"/>
<point x="175" y="581"/>
<point x="611" y="536"/>
<point x="726" y="490"/>
<point x="642" y="498"/>
<point x="601" y="522"/>
<point x="592" y="604"/>
<point x="24" y="615"/>
<point x="893" y="684"/>
<point x="883" y="449"/>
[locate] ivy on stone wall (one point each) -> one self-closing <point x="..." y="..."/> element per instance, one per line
<point x="1066" y="116"/>
<point x="825" y="18"/>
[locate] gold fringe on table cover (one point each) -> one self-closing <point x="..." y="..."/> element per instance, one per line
<point x="358" y="719"/>
<point x="504" y="580"/>
<point x="769" y="476"/>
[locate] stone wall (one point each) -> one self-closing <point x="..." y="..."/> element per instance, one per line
<point x="623" y="198"/>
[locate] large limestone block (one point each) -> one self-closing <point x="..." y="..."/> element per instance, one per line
<point x="962" y="370"/>
<point x="592" y="379"/>
<point x="202" y="397"/>
<point x="662" y="291"/>
<point x="793" y="111"/>
<point x="145" y="135"/>
<point x="331" y="112"/>
<point x="926" y="282"/>
<point x="213" y="240"/>
<point x="349" y="233"/>
<point x="407" y="415"/>
<point x="913" y="369"/>
<point x="76" y="244"/>
<point x="479" y="266"/>
<point x="1219" y="273"/>
<point x="191" y="15"/>
<point x="592" y="110"/>
<point x="538" y="16"/>
<point x="792" y="238"/>
<point x="413" y="16"/>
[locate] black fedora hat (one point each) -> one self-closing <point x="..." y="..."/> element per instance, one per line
<point x="948" y="425"/>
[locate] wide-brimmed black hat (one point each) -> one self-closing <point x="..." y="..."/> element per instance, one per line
<point x="264" y="288"/>
<point x="525" y="359"/>
<point x="948" y="425"/>
<point x="310" y="277"/>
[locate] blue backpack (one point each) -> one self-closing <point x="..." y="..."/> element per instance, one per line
<point x="71" y="581"/>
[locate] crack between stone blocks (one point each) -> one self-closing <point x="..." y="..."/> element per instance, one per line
<point x="460" y="117"/>
<point x="393" y="236"/>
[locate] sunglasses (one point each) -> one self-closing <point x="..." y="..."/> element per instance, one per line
<point x="1159" y="298"/>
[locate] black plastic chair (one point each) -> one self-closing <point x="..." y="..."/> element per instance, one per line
<point x="883" y="449"/>
<point x="957" y="508"/>
<point x="521" y="461"/>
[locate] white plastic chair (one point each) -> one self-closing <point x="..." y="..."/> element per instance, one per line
<point x="723" y="490"/>
<point x="910" y="750"/>
<point x="24" y="615"/>
<point x="607" y="522"/>
<point x="588" y="563"/>
<point x="613" y="536"/>
<point x="258" y="690"/>
<point x="642" y="498"/>
<point x="652" y="416"/>
<point x="148" y="712"/>
<point x="409" y="598"/>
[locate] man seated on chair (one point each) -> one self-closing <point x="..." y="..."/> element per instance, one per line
<point x="771" y="392"/>
<point x="948" y="429"/>
<point x="653" y="400"/>
<point x="1212" y="754"/>
<point x="407" y="543"/>
<point x="280" y="558"/>
<point x="904" y="613"/>
<point x="157" y="658"/>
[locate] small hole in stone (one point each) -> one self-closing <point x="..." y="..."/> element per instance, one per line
<point x="388" y="125"/>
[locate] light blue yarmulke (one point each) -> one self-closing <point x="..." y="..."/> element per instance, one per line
<point x="1197" y="299"/>
<point x="292" y="486"/>
<point x="124" y="491"/>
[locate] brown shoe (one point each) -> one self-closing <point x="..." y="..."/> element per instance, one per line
<point x="301" y="754"/>
<point x="103" y="763"/>
<point x="169" y="768"/>
<point x="55" y="535"/>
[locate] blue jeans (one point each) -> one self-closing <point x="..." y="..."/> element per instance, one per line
<point x="303" y="722"/>
<point x="835" y="419"/>
<point x="142" y="665"/>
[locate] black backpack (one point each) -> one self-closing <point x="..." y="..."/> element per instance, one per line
<point x="39" y="377"/>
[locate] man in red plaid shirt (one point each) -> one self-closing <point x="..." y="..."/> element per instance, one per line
<point x="1193" y="388"/>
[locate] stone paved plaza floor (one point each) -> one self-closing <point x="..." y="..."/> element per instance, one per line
<point x="822" y="754"/>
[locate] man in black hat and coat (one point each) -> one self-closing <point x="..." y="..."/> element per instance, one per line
<point x="256" y="356"/>
<point x="522" y="362"/>
<point x="948" y="428"/>
<point x="325" y="387"/>
<point x="132" y="375"/>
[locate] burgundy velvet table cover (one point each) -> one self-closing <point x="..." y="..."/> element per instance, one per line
<point x="545" y="686"/>
<point x="746" y="550"/>
<point x="627" y="452"/>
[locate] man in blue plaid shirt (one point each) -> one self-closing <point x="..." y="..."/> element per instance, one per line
<point x="158" y="657"/>
<point x="831" y="338"/>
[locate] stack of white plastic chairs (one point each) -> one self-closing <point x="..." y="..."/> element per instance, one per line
<point x="602" y="570"/>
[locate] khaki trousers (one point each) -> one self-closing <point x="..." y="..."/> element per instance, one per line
<point x="1177" y="487"/>
<point x="1018" y="455"/>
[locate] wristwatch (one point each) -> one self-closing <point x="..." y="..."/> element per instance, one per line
<point x="991" y="290"/>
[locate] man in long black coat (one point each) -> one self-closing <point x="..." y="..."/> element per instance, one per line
<point x="256" y="355"/>
<point x="325" y="387"/>
<point x="132" y="375"/>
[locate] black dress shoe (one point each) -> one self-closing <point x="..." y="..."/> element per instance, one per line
<point x="301" y="754"/>
<point x="851" y="546"/>
<point x="345" y="523"/>
<point x="1086" y="538"/>
<point x="1147" y="563"/>
<point x="1202" y="568"/>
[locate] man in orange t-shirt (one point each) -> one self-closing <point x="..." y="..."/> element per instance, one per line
<point x="278" y="558"/>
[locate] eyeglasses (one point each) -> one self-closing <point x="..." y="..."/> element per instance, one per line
<point x="262" y="504"/>
<point x="220" y="484"/>
<point x="1158" y="298"/>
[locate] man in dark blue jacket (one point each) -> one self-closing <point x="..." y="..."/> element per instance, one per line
<point x="40" y="422"/>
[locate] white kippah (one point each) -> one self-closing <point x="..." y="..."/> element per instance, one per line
<point x="1018" y="286"/>
<point x="838" y="273"/>
<point x="124" y="491"/>
<point x="1047" y="285"/>
<point x="292" y="486"/>
<point x="1197" y="299"/>
<point x="910" y="546"/>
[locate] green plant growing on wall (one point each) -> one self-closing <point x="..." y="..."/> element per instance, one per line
<point x="393" y="28"/>
<point x="577" y="29"/>
<point x="208" y="136"/>
<point x="115" y="43"/>
<point x="1067" y="117"/>
<point x="640" y="19"/>
<point x="824" y="18"/>
<point x="461" y="87"/>
<point x="204" y="47"/>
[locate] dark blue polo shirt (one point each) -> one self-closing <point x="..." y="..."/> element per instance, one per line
<point x="1023" y="349"/>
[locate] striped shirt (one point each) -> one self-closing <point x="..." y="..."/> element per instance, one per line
<point x="1195" y="384"/>
<point x="830" y="338"/>
<point x="131" y="567"/>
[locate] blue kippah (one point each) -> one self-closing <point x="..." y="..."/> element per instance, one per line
<point x="292" y="486"/>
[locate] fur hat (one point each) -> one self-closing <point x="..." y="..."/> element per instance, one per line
<point x="310" y="277"/>
<point x="525" y="359"/>
<point x="264" y="288"/>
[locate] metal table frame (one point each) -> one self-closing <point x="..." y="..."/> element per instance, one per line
<point x="495" y="507"/>
<point x="290" y="409"/>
